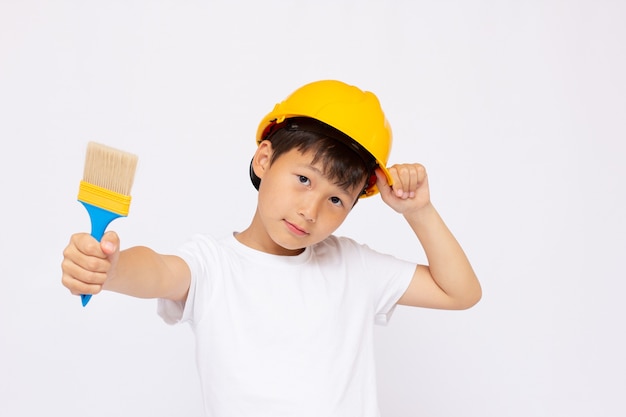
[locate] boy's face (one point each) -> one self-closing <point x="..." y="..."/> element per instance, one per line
<point x="297" y="206"/>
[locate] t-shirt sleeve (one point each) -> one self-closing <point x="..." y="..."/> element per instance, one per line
<point x="391" y="294"/>
<point x="194" y="254"/>
<point x="390" y="277"/>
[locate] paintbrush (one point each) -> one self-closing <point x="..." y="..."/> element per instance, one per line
<point x="105" y="188"/>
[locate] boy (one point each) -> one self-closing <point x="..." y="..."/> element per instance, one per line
<point x="283" y="310"/>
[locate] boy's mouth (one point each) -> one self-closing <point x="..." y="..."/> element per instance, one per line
<point x="295" y="229"/>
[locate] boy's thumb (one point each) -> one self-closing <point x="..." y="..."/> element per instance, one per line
<point x="109" y="243"/>
<point x="381" y="180"/>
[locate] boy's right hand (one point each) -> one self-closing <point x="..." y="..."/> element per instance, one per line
<point x="88" y="264"/>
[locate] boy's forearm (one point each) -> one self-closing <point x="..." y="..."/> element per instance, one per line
<point x="144" y="273"/>
<point x="448" y="264"/>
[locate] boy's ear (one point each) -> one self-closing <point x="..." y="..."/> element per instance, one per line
<point x="262" y="158"/>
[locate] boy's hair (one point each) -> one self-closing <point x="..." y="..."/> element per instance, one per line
<point x="343" y="160"/>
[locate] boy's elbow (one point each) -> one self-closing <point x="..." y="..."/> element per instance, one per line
<point x="471" y="298"/>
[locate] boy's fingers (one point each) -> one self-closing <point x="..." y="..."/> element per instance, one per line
<point x="84" y="253"/>
<point x="86" y="268"/>
<point x="401" y="175"/>
<point x="78" y="287"/>
<point x="408" y="173"/>
<point x="407" y="178"/>
<point x="86" y="262"/>
<point x="80" y="280"/>
<point x="109" y="243"/>
<point x="85" y="244"/>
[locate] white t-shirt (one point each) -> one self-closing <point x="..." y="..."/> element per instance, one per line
<point x="287" y="335"/>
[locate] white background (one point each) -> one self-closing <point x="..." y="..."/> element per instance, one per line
<point x="517" y="109"/>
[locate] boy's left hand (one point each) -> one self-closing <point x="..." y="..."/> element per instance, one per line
<point x="409" y="191"/>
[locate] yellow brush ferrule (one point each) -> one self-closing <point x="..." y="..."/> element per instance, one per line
<point x="103" y="198"/>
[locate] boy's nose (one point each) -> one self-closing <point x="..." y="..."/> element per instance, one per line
<point x="309" y="211"/>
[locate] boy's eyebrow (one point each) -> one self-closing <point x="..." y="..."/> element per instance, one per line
<point x="313" y="168"/>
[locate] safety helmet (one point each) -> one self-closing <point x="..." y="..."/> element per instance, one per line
<point x="347" y="108"/>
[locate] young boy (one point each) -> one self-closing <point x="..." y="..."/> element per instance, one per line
<point x="283" y="310"/>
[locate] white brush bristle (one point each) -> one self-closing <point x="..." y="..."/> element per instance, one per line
<point x="109" y="168"/>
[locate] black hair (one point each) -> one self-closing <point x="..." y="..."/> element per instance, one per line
<point x="343" y="160"/>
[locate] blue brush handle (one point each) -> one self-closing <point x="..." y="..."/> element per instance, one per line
<point x="100" y="219"/>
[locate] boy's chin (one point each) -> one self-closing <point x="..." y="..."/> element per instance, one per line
<point x="293" y="248"/>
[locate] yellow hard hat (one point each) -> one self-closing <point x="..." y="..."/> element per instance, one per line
<point x="348" y="109"/>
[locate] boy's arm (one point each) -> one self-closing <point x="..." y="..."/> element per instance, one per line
<point x="448" y="282"/>
<point x="89" y="266"/>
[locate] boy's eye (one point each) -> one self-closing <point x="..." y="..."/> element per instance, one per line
<point x="336" y="201"/>
<point x="303" y="179"/>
